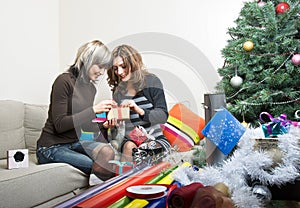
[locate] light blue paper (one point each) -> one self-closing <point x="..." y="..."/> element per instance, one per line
<point x="87" y="136"/>
<point x="224" y="130"/>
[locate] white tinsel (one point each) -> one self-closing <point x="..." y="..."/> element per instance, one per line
<point x="247" y="162"/>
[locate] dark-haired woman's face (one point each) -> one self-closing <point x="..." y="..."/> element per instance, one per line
<point x="120" y="69"/>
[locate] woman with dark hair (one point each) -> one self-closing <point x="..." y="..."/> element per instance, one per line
<point x="71" y="112"/>
<point x="134" y="87"/>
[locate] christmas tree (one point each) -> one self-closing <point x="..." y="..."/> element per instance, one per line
<point x="261" y="72"/>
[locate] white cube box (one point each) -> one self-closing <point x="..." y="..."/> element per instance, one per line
<point x="17" y="158"/>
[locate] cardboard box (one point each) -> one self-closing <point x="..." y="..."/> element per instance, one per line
<point x="17" y="158"/>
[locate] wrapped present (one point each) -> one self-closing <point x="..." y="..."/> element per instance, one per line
<point x="138" y="135"/>
<point x="274" y="126"/>
<point x="119" y="113"/>
<point x="224" y="130"/>
<point x="122" y="167"/>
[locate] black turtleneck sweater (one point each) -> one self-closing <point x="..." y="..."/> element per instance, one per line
<point x="70" y="110"/>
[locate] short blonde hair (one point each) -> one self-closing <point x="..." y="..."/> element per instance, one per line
<point x="89" y="54"/>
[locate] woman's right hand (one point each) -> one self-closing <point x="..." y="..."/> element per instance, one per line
<point x="104" y="106"/>
<point x="110" y="123"/>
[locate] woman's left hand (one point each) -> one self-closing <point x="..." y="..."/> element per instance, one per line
<point x="133" y="106"/>
<point x="110" y="123"/>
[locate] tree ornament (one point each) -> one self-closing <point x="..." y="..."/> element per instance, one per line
<point x="282" y="7"/>
<point x="296" y="59"/>
<point x="296" y="114"/>
<point x="245" y="124"/>
<point x="261" y="3"/>
<point x="248" y="45"/>
<point x="263" y="193"/>
<point x="236" y="81"/>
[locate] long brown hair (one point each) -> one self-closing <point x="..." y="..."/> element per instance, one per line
<point x="133" y="60"/>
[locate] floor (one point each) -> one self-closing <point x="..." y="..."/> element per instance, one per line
<point x="284" y="204"/>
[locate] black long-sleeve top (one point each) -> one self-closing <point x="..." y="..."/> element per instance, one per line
<point x="70" y="110"/>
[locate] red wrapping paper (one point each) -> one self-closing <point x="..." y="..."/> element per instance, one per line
<point x="182" y="197"/>
<point x="117" y="191"/>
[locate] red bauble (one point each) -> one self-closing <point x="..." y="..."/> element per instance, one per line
<point x="282" y="7"/>
<point x="261" y="3"/>
<point x="296" y="59"/>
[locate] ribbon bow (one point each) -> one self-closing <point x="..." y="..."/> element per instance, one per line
<point x="282" y="119"/>
<point x="275" y="126"/>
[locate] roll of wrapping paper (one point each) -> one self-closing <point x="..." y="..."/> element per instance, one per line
<point x="137" y="203"/>
<point x="167" y="180"/>
<point x="162" y="202"/>
<point x="98" y="188"/>
<point x="114" y="193"/>
<point x="126" y="200"/>
<point x="183" y="197"/>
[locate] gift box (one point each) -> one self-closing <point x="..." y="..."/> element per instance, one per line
<point x="119" y="113"/>
<point x="273" y="129"/>
<point x="122" y="167"/>
<point x="17" y="158"/>
<point x="138" y="135"/>
<point x="274" y="126"/>
<point x="265" y="143"/>
<point x="224" y="130"/>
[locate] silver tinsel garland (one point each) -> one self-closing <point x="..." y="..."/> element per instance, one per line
<point x="248" y="162"/>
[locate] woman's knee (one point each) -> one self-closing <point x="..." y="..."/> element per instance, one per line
<point x="107" y="150"/>
<point x="128" y="146"/>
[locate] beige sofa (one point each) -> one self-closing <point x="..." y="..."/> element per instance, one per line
<point x="36" y="185"/>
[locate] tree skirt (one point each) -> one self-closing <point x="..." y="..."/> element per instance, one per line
<point x="247" y="162"/>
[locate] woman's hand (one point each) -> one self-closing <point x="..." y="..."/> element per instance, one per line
<point x="133" y="106"/>
<point x="104" y="106"/>
<point x="110" y="123"/>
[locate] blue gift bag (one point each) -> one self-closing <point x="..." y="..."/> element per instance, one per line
<point x="224" y="130"/>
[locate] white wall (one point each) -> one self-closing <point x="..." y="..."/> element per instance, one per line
<point x="29" y="49"/>
<point x="202" y="24"/>
<point x="39" y="39"/>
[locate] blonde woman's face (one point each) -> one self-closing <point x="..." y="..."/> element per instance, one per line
<point x="120" y="69"/>
<point x="95" y="72"/>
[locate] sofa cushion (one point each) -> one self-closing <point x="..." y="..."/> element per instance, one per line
<point x="11" y="126"/>
<point x="28" y="187"/>
<point x="34" y="121"/>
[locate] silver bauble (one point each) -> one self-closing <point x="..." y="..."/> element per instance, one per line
<point x="263" y="193"/>
<point x="236" y="81"/>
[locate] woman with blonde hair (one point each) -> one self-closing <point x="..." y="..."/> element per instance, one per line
<point x="71" y="112"/>
<point x="134" y="87"/>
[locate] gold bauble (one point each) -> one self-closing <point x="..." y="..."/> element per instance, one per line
<point x="248" y="45"/>
<point x="222" y="188"/>
<point x="245" y="124"/>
